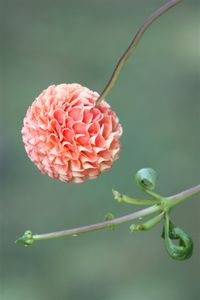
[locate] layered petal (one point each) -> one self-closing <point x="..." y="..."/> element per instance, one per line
<point x="67" y="137"/>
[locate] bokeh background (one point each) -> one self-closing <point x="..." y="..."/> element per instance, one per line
<point x="157" y="98"/>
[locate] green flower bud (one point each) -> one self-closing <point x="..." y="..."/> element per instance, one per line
<point x="26" y="239"/>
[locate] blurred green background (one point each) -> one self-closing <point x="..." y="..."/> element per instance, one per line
<point x="157" y="100"/>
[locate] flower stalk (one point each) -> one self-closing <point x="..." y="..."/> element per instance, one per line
<point x="88" y="228"/>
<point x="163" y="9"/>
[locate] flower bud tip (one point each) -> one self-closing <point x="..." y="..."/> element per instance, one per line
<point x="26" y="239"/>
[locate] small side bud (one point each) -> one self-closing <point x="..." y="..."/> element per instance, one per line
<point x="109" y="217"/>
<point x="26" y="239"/>
<point x="134" y="228"/>
<point x="146" y="179"/>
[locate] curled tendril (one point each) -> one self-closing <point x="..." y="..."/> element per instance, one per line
<point x="146" y="179"/>
<point x="171" y="232"/>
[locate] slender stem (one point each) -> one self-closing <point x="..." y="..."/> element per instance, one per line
<point x="173" y="201"/>
<point x="134" y="201"/>
<point x="148" y="224"/>
<point x="163" y="207"/>
<point x="154" y="195"/>
<point x="132" y="46"/>
<point x="178" y="198"/>
<point x="97" y="226"/>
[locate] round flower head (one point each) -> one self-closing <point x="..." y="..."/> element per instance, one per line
<point x="67" y="137"/>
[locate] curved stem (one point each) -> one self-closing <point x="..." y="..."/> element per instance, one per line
<point x="170" y="202"/>
<point x="154" y="195"/>
<point x="97" y="226"/>
<point x="132" y="46"/>
<point x="163" y="207"/>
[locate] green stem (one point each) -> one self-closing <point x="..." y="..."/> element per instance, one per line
<point x="148" y="224"/>
<point x="133" y="45"/>
<point x="134" y="201"/>
<point x="154" y="195"/>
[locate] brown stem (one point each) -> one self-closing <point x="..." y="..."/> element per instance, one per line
<point x="132" y="46"/>
<point x="93" y="227"/>
<point x="178" y="198"/>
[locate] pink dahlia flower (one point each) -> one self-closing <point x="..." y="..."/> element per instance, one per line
<point x="67" y="137"/>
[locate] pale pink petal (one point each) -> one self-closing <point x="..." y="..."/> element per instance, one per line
<point x="79" y="127"/>
<point x="76" y="114"/>
<point x="59" y="115"/>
